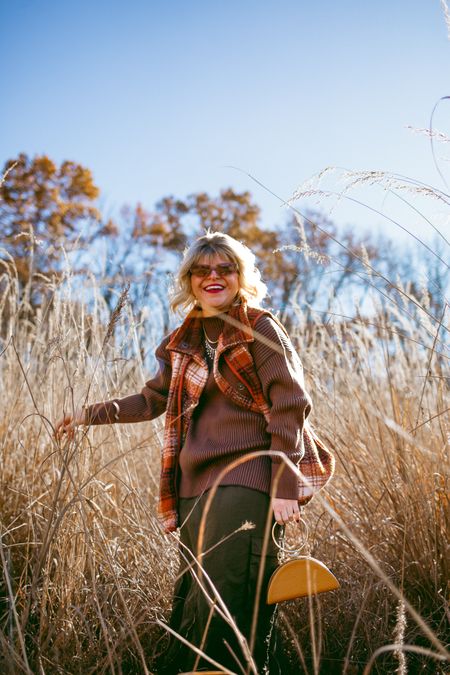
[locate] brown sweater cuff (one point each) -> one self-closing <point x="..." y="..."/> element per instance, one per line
<point x="287" y="487"/>
<point x="106" y="412"/>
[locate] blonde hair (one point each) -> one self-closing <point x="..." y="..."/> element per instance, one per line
<point x="251" y="286"/>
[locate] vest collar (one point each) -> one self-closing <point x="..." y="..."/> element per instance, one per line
<point x="188" y="339"/>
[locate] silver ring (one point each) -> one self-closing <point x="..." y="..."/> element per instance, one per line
<point x="291" y="551"/>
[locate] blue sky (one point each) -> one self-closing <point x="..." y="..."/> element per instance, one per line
<point x="161" y="98"/>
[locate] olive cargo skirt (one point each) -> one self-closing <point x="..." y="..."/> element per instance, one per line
<point x="232" y="561"/>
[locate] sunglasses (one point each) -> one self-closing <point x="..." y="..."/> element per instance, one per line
<point x="222" y="270"/>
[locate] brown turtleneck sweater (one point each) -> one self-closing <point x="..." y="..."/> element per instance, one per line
<point x="220" y="430"/>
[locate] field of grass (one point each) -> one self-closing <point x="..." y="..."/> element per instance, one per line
<point x="86" y="572"/>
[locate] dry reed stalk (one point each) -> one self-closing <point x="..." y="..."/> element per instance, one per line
<point x="399" y="636"/>
<point x="446" y="15"/>
<point x="196" y="649"/>
<point x="400" y="647"/>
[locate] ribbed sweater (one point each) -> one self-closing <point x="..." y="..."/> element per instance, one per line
<point x="221" y="431"/>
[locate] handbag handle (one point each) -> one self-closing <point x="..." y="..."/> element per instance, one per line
<point x="291" y="551"/>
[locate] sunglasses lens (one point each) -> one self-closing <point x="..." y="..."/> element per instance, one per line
<point x="205" y="270"/>
<point x="200" y="271"/>
<point x="226" y="269"/>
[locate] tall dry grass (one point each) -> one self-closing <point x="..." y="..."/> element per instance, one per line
<point x="87" y="574"/>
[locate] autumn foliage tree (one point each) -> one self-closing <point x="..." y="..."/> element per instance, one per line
<point x="174" y="223"/>
<point x="42" y="206"/>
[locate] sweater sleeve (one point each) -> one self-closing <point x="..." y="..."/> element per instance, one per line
<point x="281" y="374"/>
<point x="148" y="404"/>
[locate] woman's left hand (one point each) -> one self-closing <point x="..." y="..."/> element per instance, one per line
<point x="285" y="510"/>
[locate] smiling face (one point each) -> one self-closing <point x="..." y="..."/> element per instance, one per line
<point x="216" y="291"/>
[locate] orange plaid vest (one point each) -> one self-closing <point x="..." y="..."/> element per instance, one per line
<point x="189" y="377"/>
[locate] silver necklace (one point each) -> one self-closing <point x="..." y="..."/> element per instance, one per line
<point x="211" y="342"/>
<point x="210" y="349"/>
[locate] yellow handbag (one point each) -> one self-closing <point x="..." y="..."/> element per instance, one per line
<point x="299" y="577"/>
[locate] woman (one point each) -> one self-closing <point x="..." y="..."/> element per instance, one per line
<point x="231" y="384"/>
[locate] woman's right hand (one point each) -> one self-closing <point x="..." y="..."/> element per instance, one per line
<point x="68" y="423"/>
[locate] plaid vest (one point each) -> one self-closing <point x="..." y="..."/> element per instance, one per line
<point x="189" y="377"/>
